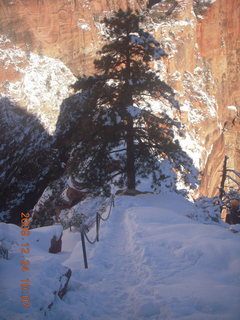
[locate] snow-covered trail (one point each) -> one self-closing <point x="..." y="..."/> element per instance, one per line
<point x="152" y="262"/>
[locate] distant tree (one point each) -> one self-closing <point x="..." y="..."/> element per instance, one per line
<point x="229" y="195"/>
<point x="123" y="137"/>
<point x="223" y="180"/>
<point x="152" y="3"/>
<point x="201" y="6"/>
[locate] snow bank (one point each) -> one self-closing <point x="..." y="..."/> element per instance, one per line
<point x="8" y="235"/>
<point x="153" y="262"/>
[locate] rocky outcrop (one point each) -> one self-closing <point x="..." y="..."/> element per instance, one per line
<point x="37" y="83"/>
<point x="218" y="39"/>
<point x="68" y="30"/>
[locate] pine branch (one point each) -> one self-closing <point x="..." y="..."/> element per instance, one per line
<point x="234" y="171"/>
<point x="115" y="151"/>
<point x="234" y="180"/>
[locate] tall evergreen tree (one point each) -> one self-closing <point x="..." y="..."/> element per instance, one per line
<point x="124" y="128"/>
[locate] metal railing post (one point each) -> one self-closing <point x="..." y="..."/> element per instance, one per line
<point x="84" y="250"/>
<point x="113" y="201"/>
<point x="97" y="225"/>
<point x="83" y="229"/>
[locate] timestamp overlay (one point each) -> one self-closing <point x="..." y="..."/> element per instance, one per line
<point x="25" y="261"/>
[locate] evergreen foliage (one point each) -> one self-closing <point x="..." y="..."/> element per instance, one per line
<point x="152" y="3"/>
<point x="121" y="138"/>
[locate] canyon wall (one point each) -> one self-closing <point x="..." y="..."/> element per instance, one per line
<point x="218" y="36"/>
<point x="68" y="30"/>
<point x="202" y="64"/>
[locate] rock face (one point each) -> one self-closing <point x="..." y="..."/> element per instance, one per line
<point x="218" y="38"/>
<point x="205" y="51"/>
<point x="65" y="29"/>
<point x="202" y="64"/>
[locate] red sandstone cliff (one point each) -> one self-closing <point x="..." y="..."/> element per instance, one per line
<point x="218" y="36"/>
<point x="63" y="29"/>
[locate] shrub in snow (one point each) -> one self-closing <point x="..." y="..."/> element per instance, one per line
<point x="207" y="210"/>
<point x="84" y="212"/>
<point x="3" y="251"/>
<point x="8" y="238"/>
<point x="74" y="221"/>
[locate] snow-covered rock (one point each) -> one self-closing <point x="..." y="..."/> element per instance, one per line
<point x="42" y="86"/>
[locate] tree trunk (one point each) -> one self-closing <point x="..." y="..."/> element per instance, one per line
<point x="130" y="165"/>
<point x="224" y="175"/>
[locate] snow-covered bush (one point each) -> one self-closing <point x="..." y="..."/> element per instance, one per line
<point x="84" y="212"/>
<point x="75" y="221"/>
<point x="8" y="238"/>
<point x="3" y="252"/>
<point x="207" y="210"/>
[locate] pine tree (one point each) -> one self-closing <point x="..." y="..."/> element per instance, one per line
<point x="124" y="128"/>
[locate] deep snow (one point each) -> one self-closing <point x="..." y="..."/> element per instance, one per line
<point x="152" y="262"/>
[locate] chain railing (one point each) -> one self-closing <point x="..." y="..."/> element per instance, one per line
<point x="84" y="230"/>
